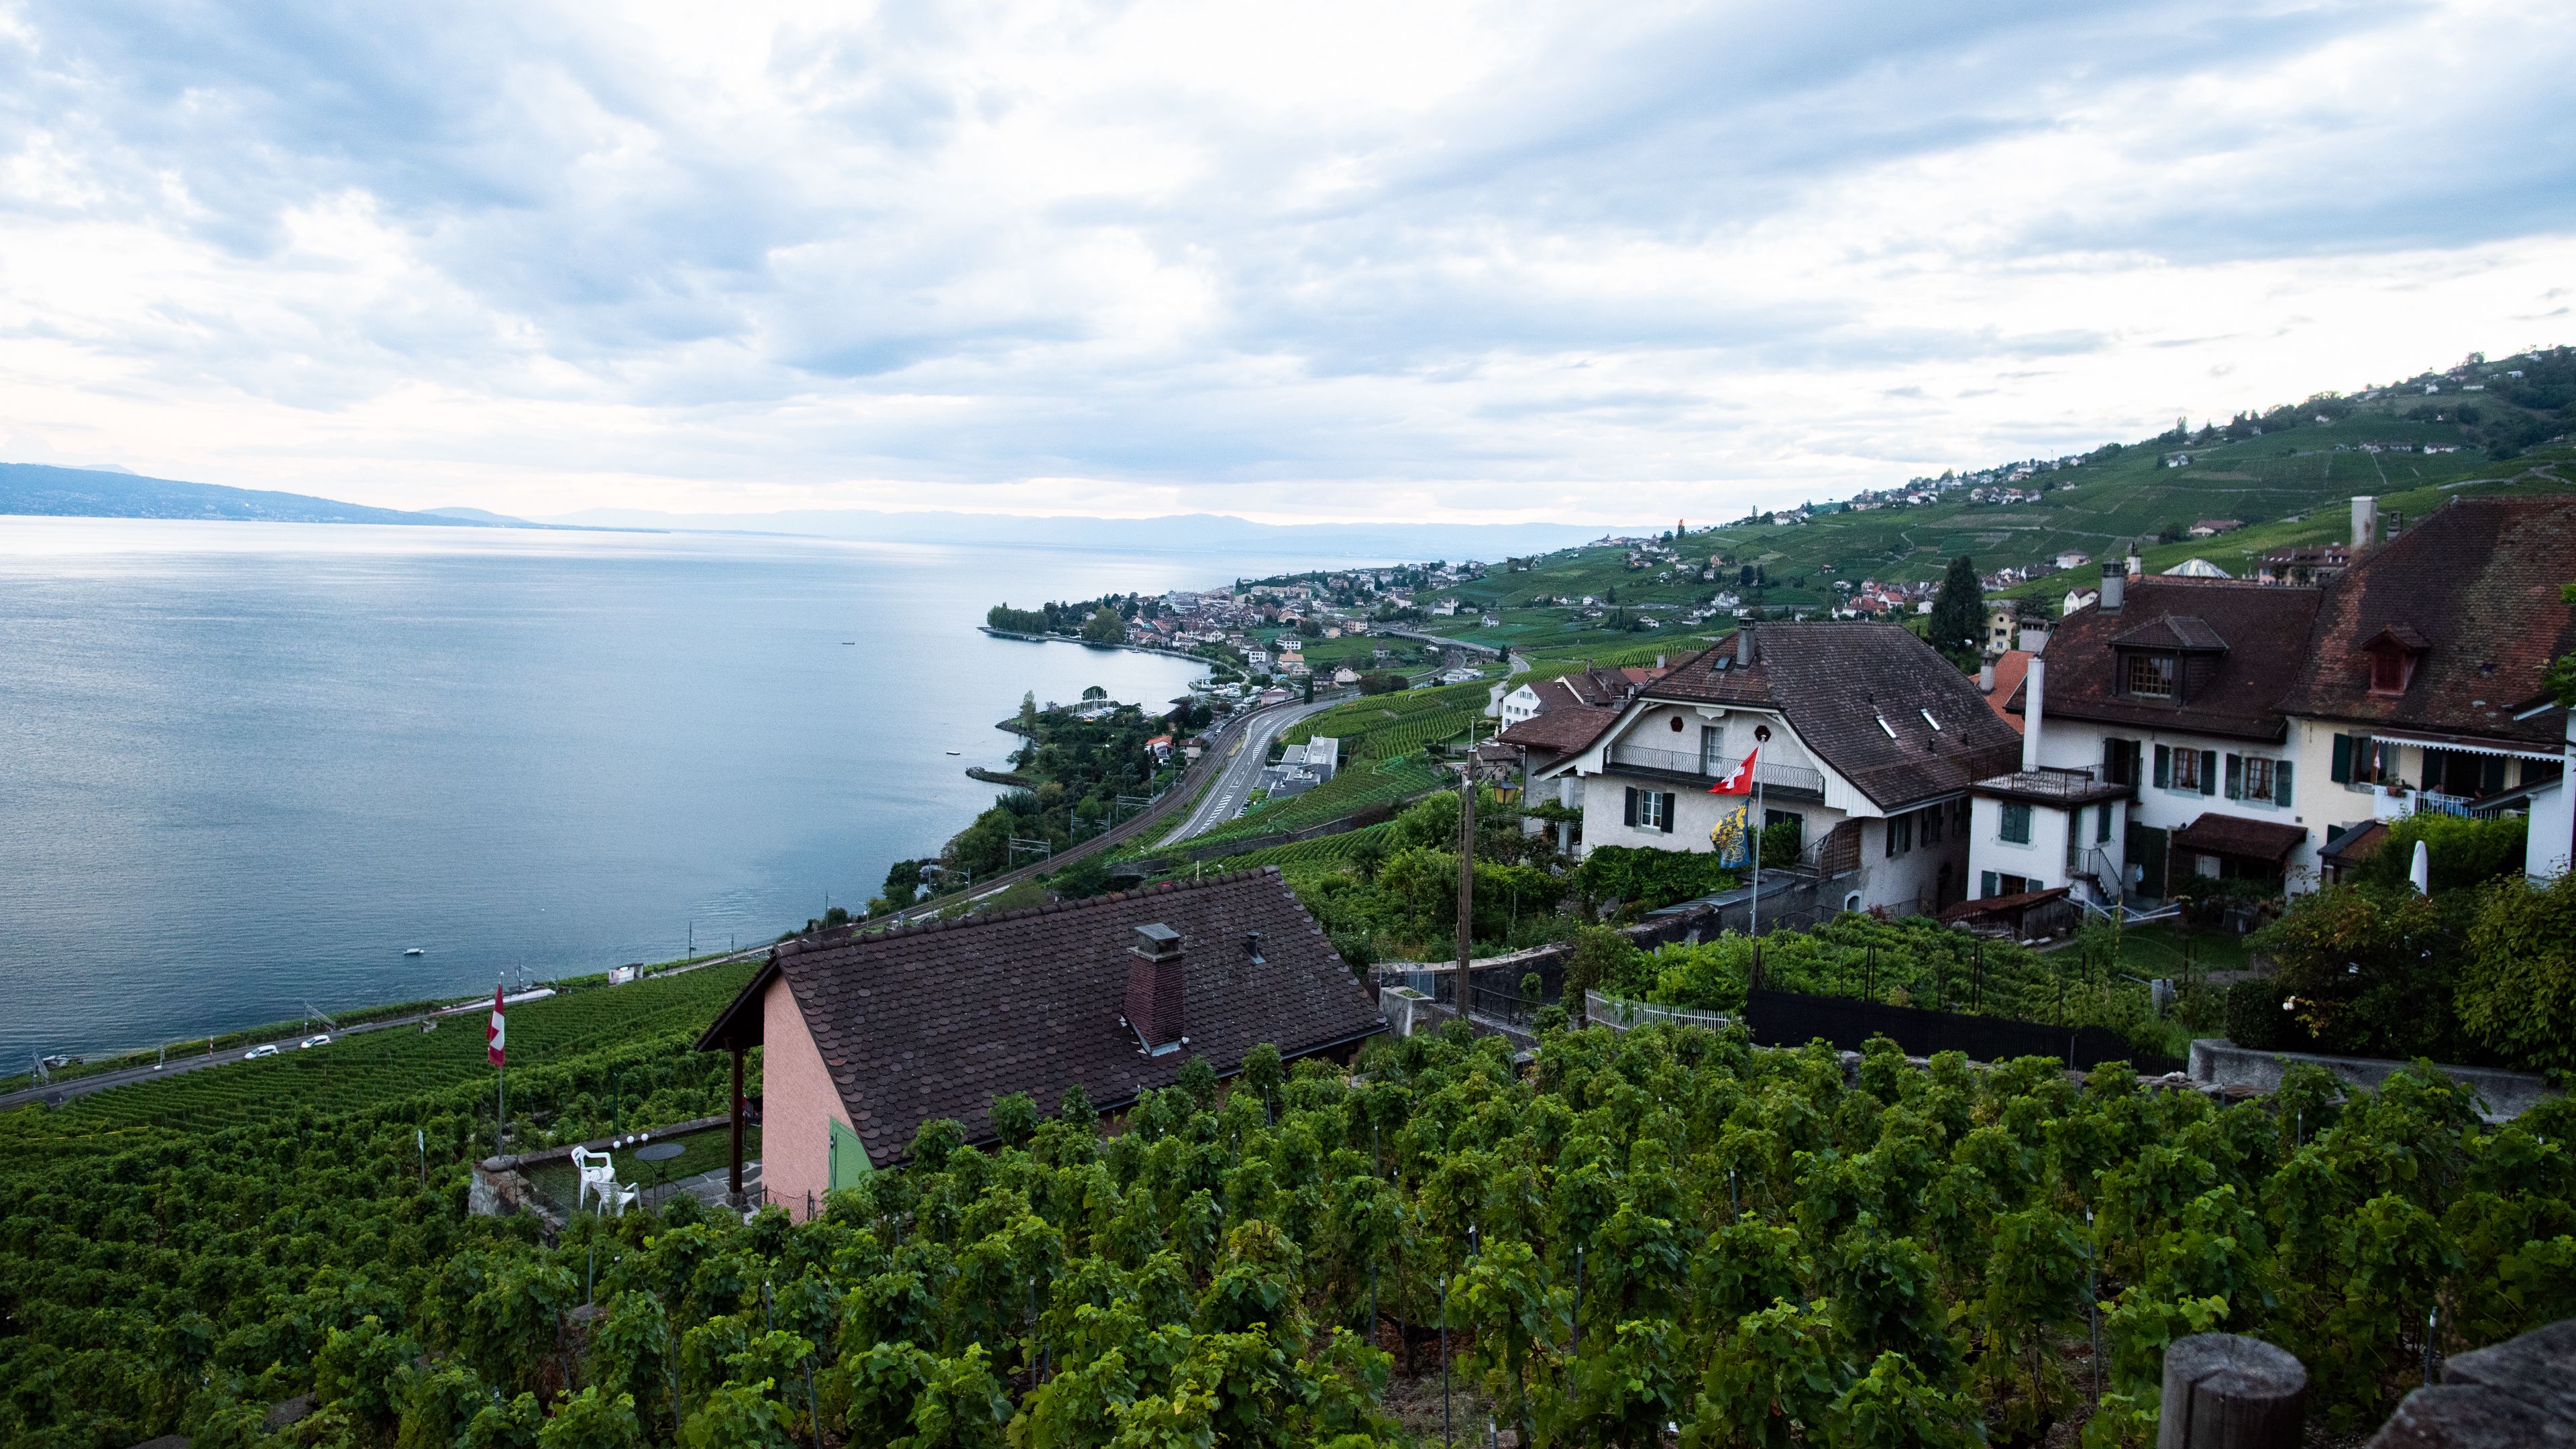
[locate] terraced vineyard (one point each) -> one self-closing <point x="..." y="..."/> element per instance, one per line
<point x="1326" y="851"/>
<point x="1386" y="725"/>
<point x="1360" y="784"/>
<point x="378" y="1067"/>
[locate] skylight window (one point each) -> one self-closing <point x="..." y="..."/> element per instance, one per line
<point x="1928" y="719"/>
<point x="1883" y="724"/>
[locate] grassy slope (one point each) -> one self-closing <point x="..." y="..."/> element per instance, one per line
<point x="2292" y="485"/>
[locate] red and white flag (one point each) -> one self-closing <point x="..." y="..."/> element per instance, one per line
<point x="1740" y="782"/>
<point x="492" y="1034"/>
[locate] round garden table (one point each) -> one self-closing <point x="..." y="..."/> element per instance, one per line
<point x="658" y="1153"/>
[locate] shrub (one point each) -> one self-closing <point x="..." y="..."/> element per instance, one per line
<point x="2461" y="852"/>
<point x="2518" y="981"/>
<point x="1647" y="877"/>
<point x="2254" y="1015"/>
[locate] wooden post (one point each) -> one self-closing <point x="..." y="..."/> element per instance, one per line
<point x="2226" y="1391"/>
<point x="734" y="1195"/>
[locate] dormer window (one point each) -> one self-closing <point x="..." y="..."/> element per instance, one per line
<point x="2393" y="654"/>
<point x="2149" y="676"/>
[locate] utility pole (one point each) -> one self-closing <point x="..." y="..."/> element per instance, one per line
<point x="1466" y="876"/>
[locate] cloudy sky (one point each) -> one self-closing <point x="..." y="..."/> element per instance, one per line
<point x="1323" y="260"/>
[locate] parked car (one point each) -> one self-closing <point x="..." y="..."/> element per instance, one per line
<point x="311" y="1042"/>
<point x="264" y="1049"/>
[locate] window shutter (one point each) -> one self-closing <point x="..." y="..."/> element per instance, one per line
<point x="1632" y="806"/>
<point x="2341" y="774"/>
<point x="2209" y="772"/>
<point x="1989" y="891"/>
<point x="2235" y="776"/>
<point x="2101" y="824"/>
<point x="1668" y="813"/>
<point x="2281" y="783"/>
<point x="2164" y="766"/>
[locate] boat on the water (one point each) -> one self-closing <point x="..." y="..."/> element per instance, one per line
<point x="956" y="752"/>
<point x="415" y="950"/>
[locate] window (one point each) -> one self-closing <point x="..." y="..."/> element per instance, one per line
<point x="1790" y="818"/>
<point x="2150" y="676"/>
<point x="2189" y="771"/>
<point x="2101" y="823"/>
<point x="2016" y="827"/>
<point x="2360" y="761"/>
<point x="2391" y="670"/>
<point x="1932" y="825"/>
<point x="1900" y="834"/>
<point x="2120" y="761"/>
<point x="1650" y="809"/>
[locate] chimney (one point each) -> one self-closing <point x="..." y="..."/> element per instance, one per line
<point x="2365" y="523"/>
<point x="1986" y="677"/>
<point x="1154" y="976"/>
<point x="2115" y="585"/>
<point x="1743" y="646"/>
<point x="2031" y="685"/>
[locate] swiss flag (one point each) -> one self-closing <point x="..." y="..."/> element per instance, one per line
<point x="1740" y="782"/>
<point x="492" y="1034"/>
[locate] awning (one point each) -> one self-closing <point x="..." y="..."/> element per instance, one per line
<point x="1999" y="905"/>
<point x="2216" y="834"/>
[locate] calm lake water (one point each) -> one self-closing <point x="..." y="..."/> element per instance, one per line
<point x="243" y="766"/>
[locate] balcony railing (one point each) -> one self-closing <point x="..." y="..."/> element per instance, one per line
<point x="1698" y="766"/>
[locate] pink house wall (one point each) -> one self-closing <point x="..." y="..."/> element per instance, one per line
<point x="798" y="1103"/>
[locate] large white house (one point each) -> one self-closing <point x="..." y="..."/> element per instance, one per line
<point x="1865" y="736"/>
<point x="2157" y="748"/>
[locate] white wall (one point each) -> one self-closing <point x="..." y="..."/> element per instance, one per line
<point x="2042" y="862"/>
<point x="2078" y="743"/>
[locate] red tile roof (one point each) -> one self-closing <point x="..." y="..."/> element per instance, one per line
<point x="2475" y="586"/>
<point x="2011" y="668"/>
<point x="2244" y="647"/>
<point x="937" y="1020"/>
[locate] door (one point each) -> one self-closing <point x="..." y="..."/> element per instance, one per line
<point x="849" y="1157"/>
<point x="2146" y="851"/>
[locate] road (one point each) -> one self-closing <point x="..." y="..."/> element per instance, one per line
<point x="57" y="1093"/>
<point x="1233" y="789"/>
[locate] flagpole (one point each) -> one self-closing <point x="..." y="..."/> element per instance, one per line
<point x="1754" y="824"/>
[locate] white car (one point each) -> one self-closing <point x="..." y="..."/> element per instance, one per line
<point x="311" y="1042"/>
<point x="264" y="1049"/>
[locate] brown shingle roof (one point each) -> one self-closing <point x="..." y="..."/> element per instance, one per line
<point x="937" y="1020"/>
<point x="2476" y="586"/>
<point x="1835" y="683"/>
<point x="1560" y="731"/>
<point x="2234" y="835"/>
<point x="2236" y="691"/>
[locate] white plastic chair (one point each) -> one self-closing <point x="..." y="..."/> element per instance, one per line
<point x="598" y="1174"/>
<point x="615" y="1200"/>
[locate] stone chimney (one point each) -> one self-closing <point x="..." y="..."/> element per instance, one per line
<point x="2365" y="523"/>
<point x="1155" y="968"/>
<point x="2031" y="686"/>
<point x="2115" y="585"/>
<point x="1743" y="646"/>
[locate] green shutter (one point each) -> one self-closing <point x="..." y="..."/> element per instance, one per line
<point x="1669" y="799"/>
<point x="2235" y="776"/>
<point x="2341" y="773"/>
<point x="849" y="1157"/>
<point x="2281" y="783"/>
<point x="1989" y="892"/>
<point x="1632" y="805"/>
<point x="2209" y="772"/>
<point x="2164" y="767"/>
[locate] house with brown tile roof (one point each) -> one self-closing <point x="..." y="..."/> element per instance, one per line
<point x="2424" y="682"/>
<point x="2157" y="748"/>
<point x="1863" y="735"/>
<point x="865" y="1037"/>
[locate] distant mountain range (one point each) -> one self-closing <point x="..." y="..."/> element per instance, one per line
<point x="1176" y="532"/>
<point x="104" y="493"/>
<point x="111" y="492"/>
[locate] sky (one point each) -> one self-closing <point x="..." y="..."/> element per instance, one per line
<point x="1325" y="261"/>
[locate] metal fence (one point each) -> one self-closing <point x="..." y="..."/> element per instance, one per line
<point x="1791" y="1019"/>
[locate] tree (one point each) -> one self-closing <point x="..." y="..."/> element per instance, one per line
<point x="1105" y="627"/>
<point x="1958" y="611"/>
<point x="2517" y="992"/>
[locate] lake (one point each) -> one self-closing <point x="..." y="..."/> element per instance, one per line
<point x="243" y="766"/>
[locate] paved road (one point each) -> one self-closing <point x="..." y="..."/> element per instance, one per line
<point x="1233" y="789"/>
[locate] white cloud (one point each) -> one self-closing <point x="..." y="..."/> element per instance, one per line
<point x="1331" y="260"/>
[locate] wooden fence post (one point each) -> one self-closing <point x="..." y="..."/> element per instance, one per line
<point x="2226" y="1391"/>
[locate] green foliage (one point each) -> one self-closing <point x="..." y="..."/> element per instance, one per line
<point x="2517" y="991"/>
<point x="2462" y="852"/>
<point x="1648" y="878"/>
<point x="2365" y="969"/>
<point x="1958" y="619"/>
